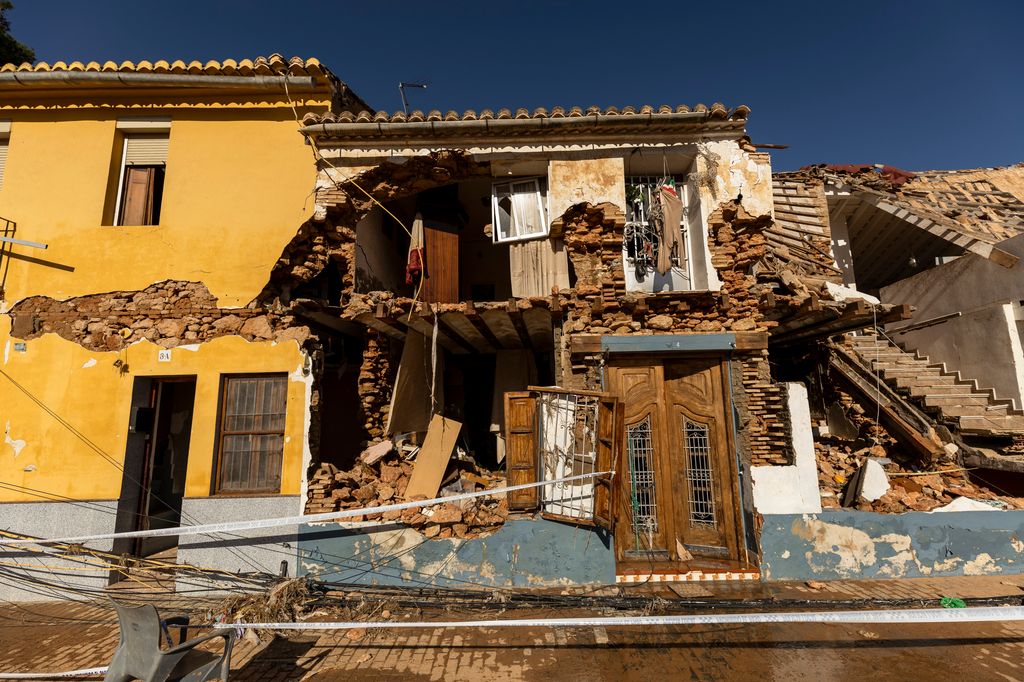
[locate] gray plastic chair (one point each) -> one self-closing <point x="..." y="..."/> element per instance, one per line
<point x="139" y="655"/>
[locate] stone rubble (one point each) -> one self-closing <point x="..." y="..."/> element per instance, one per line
<point x="384" y="482"/>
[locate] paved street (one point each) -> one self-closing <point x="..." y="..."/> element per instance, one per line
<point x="56" y="637"/>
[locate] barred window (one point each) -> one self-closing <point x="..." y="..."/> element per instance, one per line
<point x="251" y="433"/>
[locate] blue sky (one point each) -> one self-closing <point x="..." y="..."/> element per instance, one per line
<point x="914" y="84"/>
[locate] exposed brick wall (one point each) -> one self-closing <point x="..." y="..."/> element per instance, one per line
<point x="376" y="380"/>
<point x="169" y="313"/>
<point x="317" y="243"/>
<point x="600" y="305"/>
<point x="765" y="419"/>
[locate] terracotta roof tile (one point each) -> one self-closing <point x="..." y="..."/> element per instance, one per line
<point x="717" y="111"/>
<point x="275" y="64"/>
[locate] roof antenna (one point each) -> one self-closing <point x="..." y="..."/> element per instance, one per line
<point x="401" y="89"/>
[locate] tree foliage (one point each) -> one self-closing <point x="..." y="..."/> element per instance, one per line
<point x="11" y="51"/>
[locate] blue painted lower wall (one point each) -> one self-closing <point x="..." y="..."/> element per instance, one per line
<point x="523" y="553"/>
<point x="843" y="545"/>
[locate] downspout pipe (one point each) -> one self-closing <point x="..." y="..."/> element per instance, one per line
<point x="90" y="79"/>
<point x="492" y="125"/>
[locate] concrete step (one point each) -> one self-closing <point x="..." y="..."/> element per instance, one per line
<point x="913" y="371"/>
<point x="922" y="388"/>
<point x="1007" y="424"/>
<point x="973" y="411"/>
<point x="933" y="381"/>
<point x="945" y="399"/>
<point x="899" y="363"/>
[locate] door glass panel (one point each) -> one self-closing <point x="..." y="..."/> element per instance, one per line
<point x="699" y="474"/>
<point x="640" y="447"/>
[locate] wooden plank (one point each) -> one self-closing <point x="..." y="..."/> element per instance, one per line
<point x="585" y="344"/>
<point x="462" y="329"/>
<point x="524" y="335"/>
<point x="384" y="325"/>
<point x="484" y="331"/>
<point x="538" y="325"/>
<point x="432" y="460"/>
<point x="502" y="328"/>
<point x="423" y="327"/>
<point x="751" y="340"/>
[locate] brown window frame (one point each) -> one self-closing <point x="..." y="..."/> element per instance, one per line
<point x="150" y="205"/>
<point x="223" y="433"/>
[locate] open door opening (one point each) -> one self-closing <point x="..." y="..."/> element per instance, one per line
<point x="156" y="458"/>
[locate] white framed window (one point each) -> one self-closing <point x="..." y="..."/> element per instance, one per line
<point x="143" y="165"/>
<point x="517" y="210"/>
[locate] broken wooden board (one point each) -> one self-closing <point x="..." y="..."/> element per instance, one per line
<point x="375" y="453"/>
<point x="432" y="460"/>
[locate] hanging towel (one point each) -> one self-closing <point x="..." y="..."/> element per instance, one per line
<point x="416" y="263"/>
<point x="671" y="236"/>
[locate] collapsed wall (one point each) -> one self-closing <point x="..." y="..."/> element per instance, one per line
<point x="169" y="313"/>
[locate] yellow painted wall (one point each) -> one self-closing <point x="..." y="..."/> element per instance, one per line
<point x="237" y="188"/>
<point x="61" y="406"/>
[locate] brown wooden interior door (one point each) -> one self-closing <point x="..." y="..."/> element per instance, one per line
<point x="676" y="434"/>
<point x="442" y="254"/>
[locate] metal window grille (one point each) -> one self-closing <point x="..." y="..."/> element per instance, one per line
<point x="252" y="433"/>
<point x="640" y="239"/>
<point x="640" y="448"/>
<point x="567" y="425"/>
<point x="699" y="474"/>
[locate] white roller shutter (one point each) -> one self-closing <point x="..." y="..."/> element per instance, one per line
<point x="145" y="150"/>
<point x="3" y="159"/>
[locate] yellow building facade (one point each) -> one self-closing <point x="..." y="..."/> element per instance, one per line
<point x="229" y="184"/>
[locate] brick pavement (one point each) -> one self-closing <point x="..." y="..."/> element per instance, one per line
<point x="69" y="635"/>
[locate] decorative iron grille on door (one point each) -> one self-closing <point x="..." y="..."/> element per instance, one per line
<point x="700" y="482"/>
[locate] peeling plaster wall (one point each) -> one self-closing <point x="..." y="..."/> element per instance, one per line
<point x="864" y="545"/>
<point x="791" y="489"/>
<point x="596" y="181"/>
<point x="522" y="553"/>
<point x="70" y="404"/>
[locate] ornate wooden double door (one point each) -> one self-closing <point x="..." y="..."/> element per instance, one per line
<point x="679" y="486"/>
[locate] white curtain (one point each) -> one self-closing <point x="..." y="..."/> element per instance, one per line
<point x="537" y="266"/>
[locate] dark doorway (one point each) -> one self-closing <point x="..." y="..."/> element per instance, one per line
<point x="156" y="457"/>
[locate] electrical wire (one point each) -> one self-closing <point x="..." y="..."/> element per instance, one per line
<point x="117" y="465"/>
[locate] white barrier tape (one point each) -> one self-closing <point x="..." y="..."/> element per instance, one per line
<point x="968" y="615"/>
<point x="85" y="672"/>
<point x="291" y="520"/>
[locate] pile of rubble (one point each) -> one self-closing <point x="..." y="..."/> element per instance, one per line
<point x="380" y="477"/>
<point x="910" y="489"/>
<point x="851" y="439"/>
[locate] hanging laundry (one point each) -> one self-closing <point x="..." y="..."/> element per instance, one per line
<point x="416" y="262"/>
<point x="671" y="246"/>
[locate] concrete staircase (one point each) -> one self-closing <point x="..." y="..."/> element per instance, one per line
<point x="942" y="393"/>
